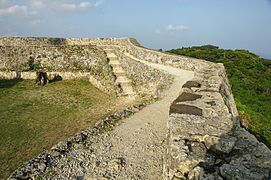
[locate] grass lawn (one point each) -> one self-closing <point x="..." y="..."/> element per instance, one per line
<point x="34" y="118"/>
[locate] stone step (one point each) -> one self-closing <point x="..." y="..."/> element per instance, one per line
<point x="119" y="72"/>
<point x="127" y="85"/>
<point x="113" y="62"/>
<point x="112" y="56"/>
<point x="128" y="90"/>
<point x="123" y="80"/>
<point x="109" y="51"/>
<point x="118" y="69"/>
<point x="115" y="65"/>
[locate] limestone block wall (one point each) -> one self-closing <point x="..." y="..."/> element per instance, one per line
<point x="73" y="59"/>
<point x="51" y="75"/>
<point x="205" y="140"/>
<point x="147" y="81"/>
<point x="182" y="62"/>
<point x="52" y="58"/>
<point x="33" y="41"/>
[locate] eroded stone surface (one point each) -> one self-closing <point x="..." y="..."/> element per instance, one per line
<point x="213" y="146"/>
<point x="185" y="109"/>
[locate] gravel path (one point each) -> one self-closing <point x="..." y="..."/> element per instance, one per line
<point x="134" y="149"/>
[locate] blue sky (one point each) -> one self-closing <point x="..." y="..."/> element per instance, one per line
<point x="233" y="24"/>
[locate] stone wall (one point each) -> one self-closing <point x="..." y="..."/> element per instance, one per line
<point x="72" y="59"/>
<point x="182" y="62"/>
<point x="52" y="58"/>
<point x="33" y="41"/>
<point x="205" y="140"/>
<point x="147" y="81"/>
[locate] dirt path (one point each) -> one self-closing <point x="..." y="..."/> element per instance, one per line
<point x="135" y="148"/>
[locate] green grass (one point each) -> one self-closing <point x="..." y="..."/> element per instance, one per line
<point x="250" y="78"/>
<point x="34" y="118"/>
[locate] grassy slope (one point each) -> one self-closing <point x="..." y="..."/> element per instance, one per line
<point x="250" y="77"/>
<point x="34" y="118"/>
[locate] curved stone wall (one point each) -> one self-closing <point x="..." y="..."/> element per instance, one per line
<point x="204" y="140"/>
<point x="147" y="81"/>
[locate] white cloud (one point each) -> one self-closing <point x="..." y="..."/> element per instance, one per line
<point x="78" y="6"/>
<point x="176" y="28"/>
<point x="32" y="7"/>
<point x="37" y="4"/>
<point x="64" y="5"/>
<point x="85" y="5"/>
<point x="13" y="10"/>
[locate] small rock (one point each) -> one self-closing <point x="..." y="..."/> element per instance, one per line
<point x="80" y="178"/>
<point x="42" y="167"/>
<point x="187" y="166"/>
<point x="222" y="144"/>
<point x="117" y="164"/>
<point x="179" y="176"/>
<point x="195" y="173"/>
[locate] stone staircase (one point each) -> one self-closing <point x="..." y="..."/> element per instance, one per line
<point x="122" y="81"/>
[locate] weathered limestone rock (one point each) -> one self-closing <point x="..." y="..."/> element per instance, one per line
<point x="213" y="143"/>
<point x="146" y="80"/>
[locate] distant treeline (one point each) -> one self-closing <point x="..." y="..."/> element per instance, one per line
<point x="250" y="78"/>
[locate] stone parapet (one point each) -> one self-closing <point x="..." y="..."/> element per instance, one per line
<point x="205" y="140"/>
<point x="147" y="81"/>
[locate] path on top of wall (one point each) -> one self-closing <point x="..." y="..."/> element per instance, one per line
<point x="135" y="148"/>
